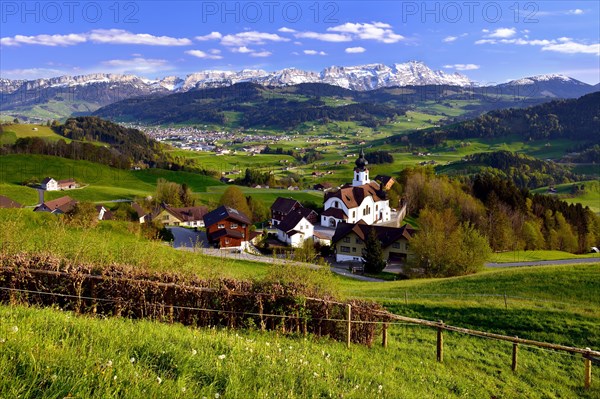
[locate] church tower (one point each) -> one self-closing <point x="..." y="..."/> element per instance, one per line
<point x="361" y="172"/>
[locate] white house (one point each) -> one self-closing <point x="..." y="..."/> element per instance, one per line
<point x="362" y="200"/>
<point x="49" y="184"/>
<point x="294" y="229"/>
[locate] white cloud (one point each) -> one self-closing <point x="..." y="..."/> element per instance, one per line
<point x="286" y="30"/>
<point x="355" y="50"/>
<point x="377" y="31"/>
<point x="563" y="45"/>
<point x="325" y="37"/>
<point x="137" y="65"/>
<point x="242" y="49"/>
<point x="202" y="54"/>
<point x="570" y="47"/>
<point x="101" y="36"/>
<point x="462" y="67"/>
<point x="210" y="36"/>
<point x="214" y="51"/>
<point x="32" y="73"/>
<point x="501" y="33"/>
<point x="120" y="36"/>
<point x="576" y="11"/>
<point x="251" y="37"/>
<point x="45" y="40"/>
<point x="449" y="39"/>
<point x="261" y="54"/>
<point x="314" y="52"/>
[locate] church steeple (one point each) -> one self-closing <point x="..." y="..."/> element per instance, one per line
<point x="361" y="172"/>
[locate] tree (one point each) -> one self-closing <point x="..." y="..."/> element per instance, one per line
<point x="443" y="247"/>
<point x="259" y="211"/>
<point x="234" y="198"/>
<point x="373" y="254"/>
<point x="84" y="214"/>
<point x="173" y="194"/>
<point x="16" y="121"/>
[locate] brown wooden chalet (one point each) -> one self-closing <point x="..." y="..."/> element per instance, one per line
<point x="60" y="205"/>
<point x="227" y="227"/>
<point x="6" y="202"/>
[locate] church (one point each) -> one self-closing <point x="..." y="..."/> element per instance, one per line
<point x="362" y="200"/>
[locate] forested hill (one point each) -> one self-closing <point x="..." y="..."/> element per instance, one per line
<point x="129" y="142"/>
<point x="252" y="105"/>
<point x="575" y="119"/>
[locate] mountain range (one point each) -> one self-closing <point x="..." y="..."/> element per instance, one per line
<point x="80" y="95"/>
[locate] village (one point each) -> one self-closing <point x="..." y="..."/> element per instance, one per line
<point x="349" y="213"/>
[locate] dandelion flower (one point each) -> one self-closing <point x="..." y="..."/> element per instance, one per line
<point x="221" y="357"/>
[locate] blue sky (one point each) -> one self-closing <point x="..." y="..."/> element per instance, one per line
<point x="489" y="41"/>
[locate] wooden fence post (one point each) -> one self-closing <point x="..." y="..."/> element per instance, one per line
<point x="349" y="322"/>
<point x="384" y="339"/>
<point x="93" y="293"/>
<point x="587" y="361"/>
<point x="260" y="312"/>
<point x="505" y="302"/>
<point x="405" y="298"/>
<point x="515" y="354"/>
<point x="440" y="343"/>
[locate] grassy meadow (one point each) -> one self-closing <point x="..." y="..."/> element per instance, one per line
<point x="48" y="353"/>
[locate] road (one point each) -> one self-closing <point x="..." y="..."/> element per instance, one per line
<point x="545" y="262"/>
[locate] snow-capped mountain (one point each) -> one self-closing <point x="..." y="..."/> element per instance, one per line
<point x="549" y="85"/>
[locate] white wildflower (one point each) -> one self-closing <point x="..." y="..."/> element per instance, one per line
<point x="221" y="357"/>
<point x="183" y="389"/>
<point x="132" y="360"/>
<point x="268" y="343"/>
<point x="159" y="380"/>
<point x="194" y="352"/>
<point x="315" y="374"/>
<point x="109" y="363"/>
<point x="380" y="387"/>
<point x="14" y="329"/>
<point x="54" y="377"/>
<point x="115" y="378"/>
<point x="217" y="396"/>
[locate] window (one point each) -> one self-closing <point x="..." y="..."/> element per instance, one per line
<point x="344" y="249"/>
<point x="357" y="240"/>
<point x="335" y="204"/>
<point x="407" y="246"/>
<point x="220" y="226"/>
<point x="353" y="249"/>
<point x="234" y="225"/>
<point x="396" y="245"/>
<point x="346" y="239"/>
<point x="166" y="217"/>
<point x="353" y="214"/>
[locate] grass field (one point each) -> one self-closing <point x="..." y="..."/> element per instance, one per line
<point x="531" y="256"/>
<point x="47" y="353"/>
<point x="590" y="196"/>
<point x="16" y="131"/>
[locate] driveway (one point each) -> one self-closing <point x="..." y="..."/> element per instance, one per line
<point x="188" y="238"/>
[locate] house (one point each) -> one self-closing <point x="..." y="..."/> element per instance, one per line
<point x="363" y="199"/>
<point x="60" y="205"/>
<point x="296" y="227"/>
<point x="67" y="184"/>
<point x="323" y="186"/>
<point x="281" y="208"/>
<point x="141" y="213"/>
<point x="104" y="213"/>
<point x="385" y="182"/>
<point x="349" y="241"/>
<point x="191" y="216"/>
<point x="227" y="228"/>
<point x="50" y="184"/>
<point x="6" y="202"/>
<point x="321" y="238"/>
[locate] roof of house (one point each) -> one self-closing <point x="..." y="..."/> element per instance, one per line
<point x="188" y="214"/>
<point x="353" y="196"/>
<point x="66" y="181"/>
<point x="138" y="209"/>
<point x="290" y="221"/>
<point x="224" y="212"/>
<point x="6" y="202"/>
<point x="227" y="233"/>
<point x="63" y="204"/>
<point x="386" y="235"/>
<point x="108" y="215"/>
<point x="384" y="180"/>
<point x="46" y="180"/>
<point x="284" y="205"/>
<point x="336" y="213"/>
<point x="322" y="236"/>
